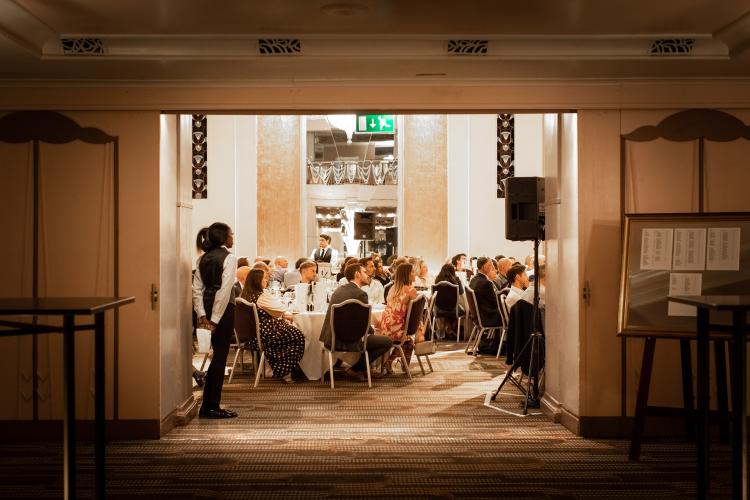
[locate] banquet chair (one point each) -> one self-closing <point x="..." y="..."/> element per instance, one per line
<point x="501" y="296"/>
<point x="350" y="324"/>
<point x="411" y="324"/>
<point x="446" y="305"/>
<point x="428" y="346"/>
<point x="245" y="325"/>
<point x="386" y="289"/>
<point x="479" y="327"/>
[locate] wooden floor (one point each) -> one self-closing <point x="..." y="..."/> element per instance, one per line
<point x="431" y="437"/>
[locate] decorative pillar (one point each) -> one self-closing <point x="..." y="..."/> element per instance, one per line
<point x="425" y="190"/>
<point x="279" y="187"/>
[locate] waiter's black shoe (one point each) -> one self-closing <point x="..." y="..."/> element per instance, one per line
<point x="534" y="403"/>
<point x="216" y="413"/>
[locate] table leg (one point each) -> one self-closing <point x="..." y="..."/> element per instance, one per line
<point x="100" y="405"/>
<point x="642" y="398"/>
<point x="722" y="399"/>
<point x="69" y="405"/>
<point x="702" y="438"/>
<point x="739" y="409"/>
<point x="686" y="362"/>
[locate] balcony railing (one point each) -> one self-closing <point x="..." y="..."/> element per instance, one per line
<point x="339" y="172"/>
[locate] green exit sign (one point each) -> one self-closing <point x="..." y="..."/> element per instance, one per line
<point x="376" y="123"/>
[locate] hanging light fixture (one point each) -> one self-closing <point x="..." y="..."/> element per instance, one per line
<point x="347" y="123"/>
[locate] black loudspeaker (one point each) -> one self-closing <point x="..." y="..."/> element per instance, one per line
<point x="364" y="225"/>
<point x="524" y="208"/>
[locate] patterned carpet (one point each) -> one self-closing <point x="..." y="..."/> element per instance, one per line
<point x="432" y="437"/>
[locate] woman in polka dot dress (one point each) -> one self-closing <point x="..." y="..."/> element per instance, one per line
<point x="283" y="342"/>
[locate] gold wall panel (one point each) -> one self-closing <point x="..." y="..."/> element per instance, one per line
<point x="425" y="190"/>
<point x="279" y="215"/>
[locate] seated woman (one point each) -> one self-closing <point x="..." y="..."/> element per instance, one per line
<point x="446" y="325"/>
<point x="393" y="322"/>
<point x="283" y="342"/>
<point x="448" y="273"/>
<point x="423" y="279"/>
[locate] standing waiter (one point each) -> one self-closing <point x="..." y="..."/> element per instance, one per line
<point x="213" y="301"/>
<point x="325" y="252"/>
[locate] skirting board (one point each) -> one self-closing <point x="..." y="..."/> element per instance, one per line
<point x="560" y="415"/>
<point x="52" y="430"/>
<point x="182" y="415"/>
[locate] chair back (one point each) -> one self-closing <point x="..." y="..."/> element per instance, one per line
<point x="246" y="322"/>
<point x="350" y="321"/>
<point x="471" y="298"/>
<point x="446" y="299"/>
<point x="386" y="289"/>
<point x="414" y="314"/>
<point x="502" y="295"/>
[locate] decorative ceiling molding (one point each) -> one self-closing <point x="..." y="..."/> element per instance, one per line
<point x="279" y="46"/>
<point x="82" y="46"/>
<point x="547" y="47"/>
<point x="672" y="46"/>
<point x="468" y="47"/>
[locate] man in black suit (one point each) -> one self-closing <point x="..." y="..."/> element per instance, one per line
<point x="485" y="292"/>
<point x="377" y="345"/>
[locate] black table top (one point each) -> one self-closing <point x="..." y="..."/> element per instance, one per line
<point x="718" y="302"/>
<point x="61" y="305"/>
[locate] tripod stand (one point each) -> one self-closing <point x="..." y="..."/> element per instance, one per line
<point x="535" y="343"/>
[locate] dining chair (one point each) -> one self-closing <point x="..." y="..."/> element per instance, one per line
<point x="350" y="324"/>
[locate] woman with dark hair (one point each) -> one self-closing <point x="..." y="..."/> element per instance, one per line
<point x="213" y="301"/>
<point x="448" y="273"/>
<point x="393" y="322"/>
<point x="347" y="260"/>
<point x="283" y="342"/>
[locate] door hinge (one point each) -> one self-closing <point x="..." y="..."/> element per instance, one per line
<point x="586" y="293"/>
<point x="154" y="296"/>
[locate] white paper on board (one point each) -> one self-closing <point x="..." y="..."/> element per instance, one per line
<point x="656" y="249"/>
<point x="723" y="252"/>
<point x="689" y="249"/>
<point x="683" y="284"/>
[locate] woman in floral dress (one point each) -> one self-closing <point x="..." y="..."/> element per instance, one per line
<point x="396" y="306"/>
<point x="283" y="342"/>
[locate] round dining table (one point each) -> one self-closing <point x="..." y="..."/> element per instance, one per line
<point x="314" y="364"/>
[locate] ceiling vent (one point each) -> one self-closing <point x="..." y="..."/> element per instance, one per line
<point x="82" y="46"/>
<point x="279" y="46"/>
<point x="672" y="46"/>
<point x="468" y="47"/>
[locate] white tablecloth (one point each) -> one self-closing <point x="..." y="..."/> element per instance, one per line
<point x="313" y="363"/>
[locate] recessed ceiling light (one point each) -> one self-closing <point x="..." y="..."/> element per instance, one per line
<point x="344" y="9"/>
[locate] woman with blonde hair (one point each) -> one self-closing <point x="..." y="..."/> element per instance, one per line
<point x="393" y="322"/>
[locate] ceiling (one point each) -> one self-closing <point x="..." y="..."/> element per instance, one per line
<point x="372" y="40"/>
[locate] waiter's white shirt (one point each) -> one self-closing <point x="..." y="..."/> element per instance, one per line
<point x="334" y="254"/>
<point x="223" y="294"/>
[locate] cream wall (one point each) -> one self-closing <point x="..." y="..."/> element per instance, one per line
<point x="476" y="217"/>
<point x="562" y="316"/>
<point x="232" y="180"/>
<point x="659" y="178"/>
<point x="76" y="264"/>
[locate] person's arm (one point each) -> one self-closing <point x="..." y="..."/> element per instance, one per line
<point x="272" y="305"/>
<point x="200" y="311"/>
<point x="224" y="293"/>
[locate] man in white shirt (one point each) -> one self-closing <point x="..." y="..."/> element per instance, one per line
<point x="518" y="281"/>
<point x="280" y="265"/>
<point x="325" y="252"/>
<point x="528" y="294"/>
<point x="374" y="288"/>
